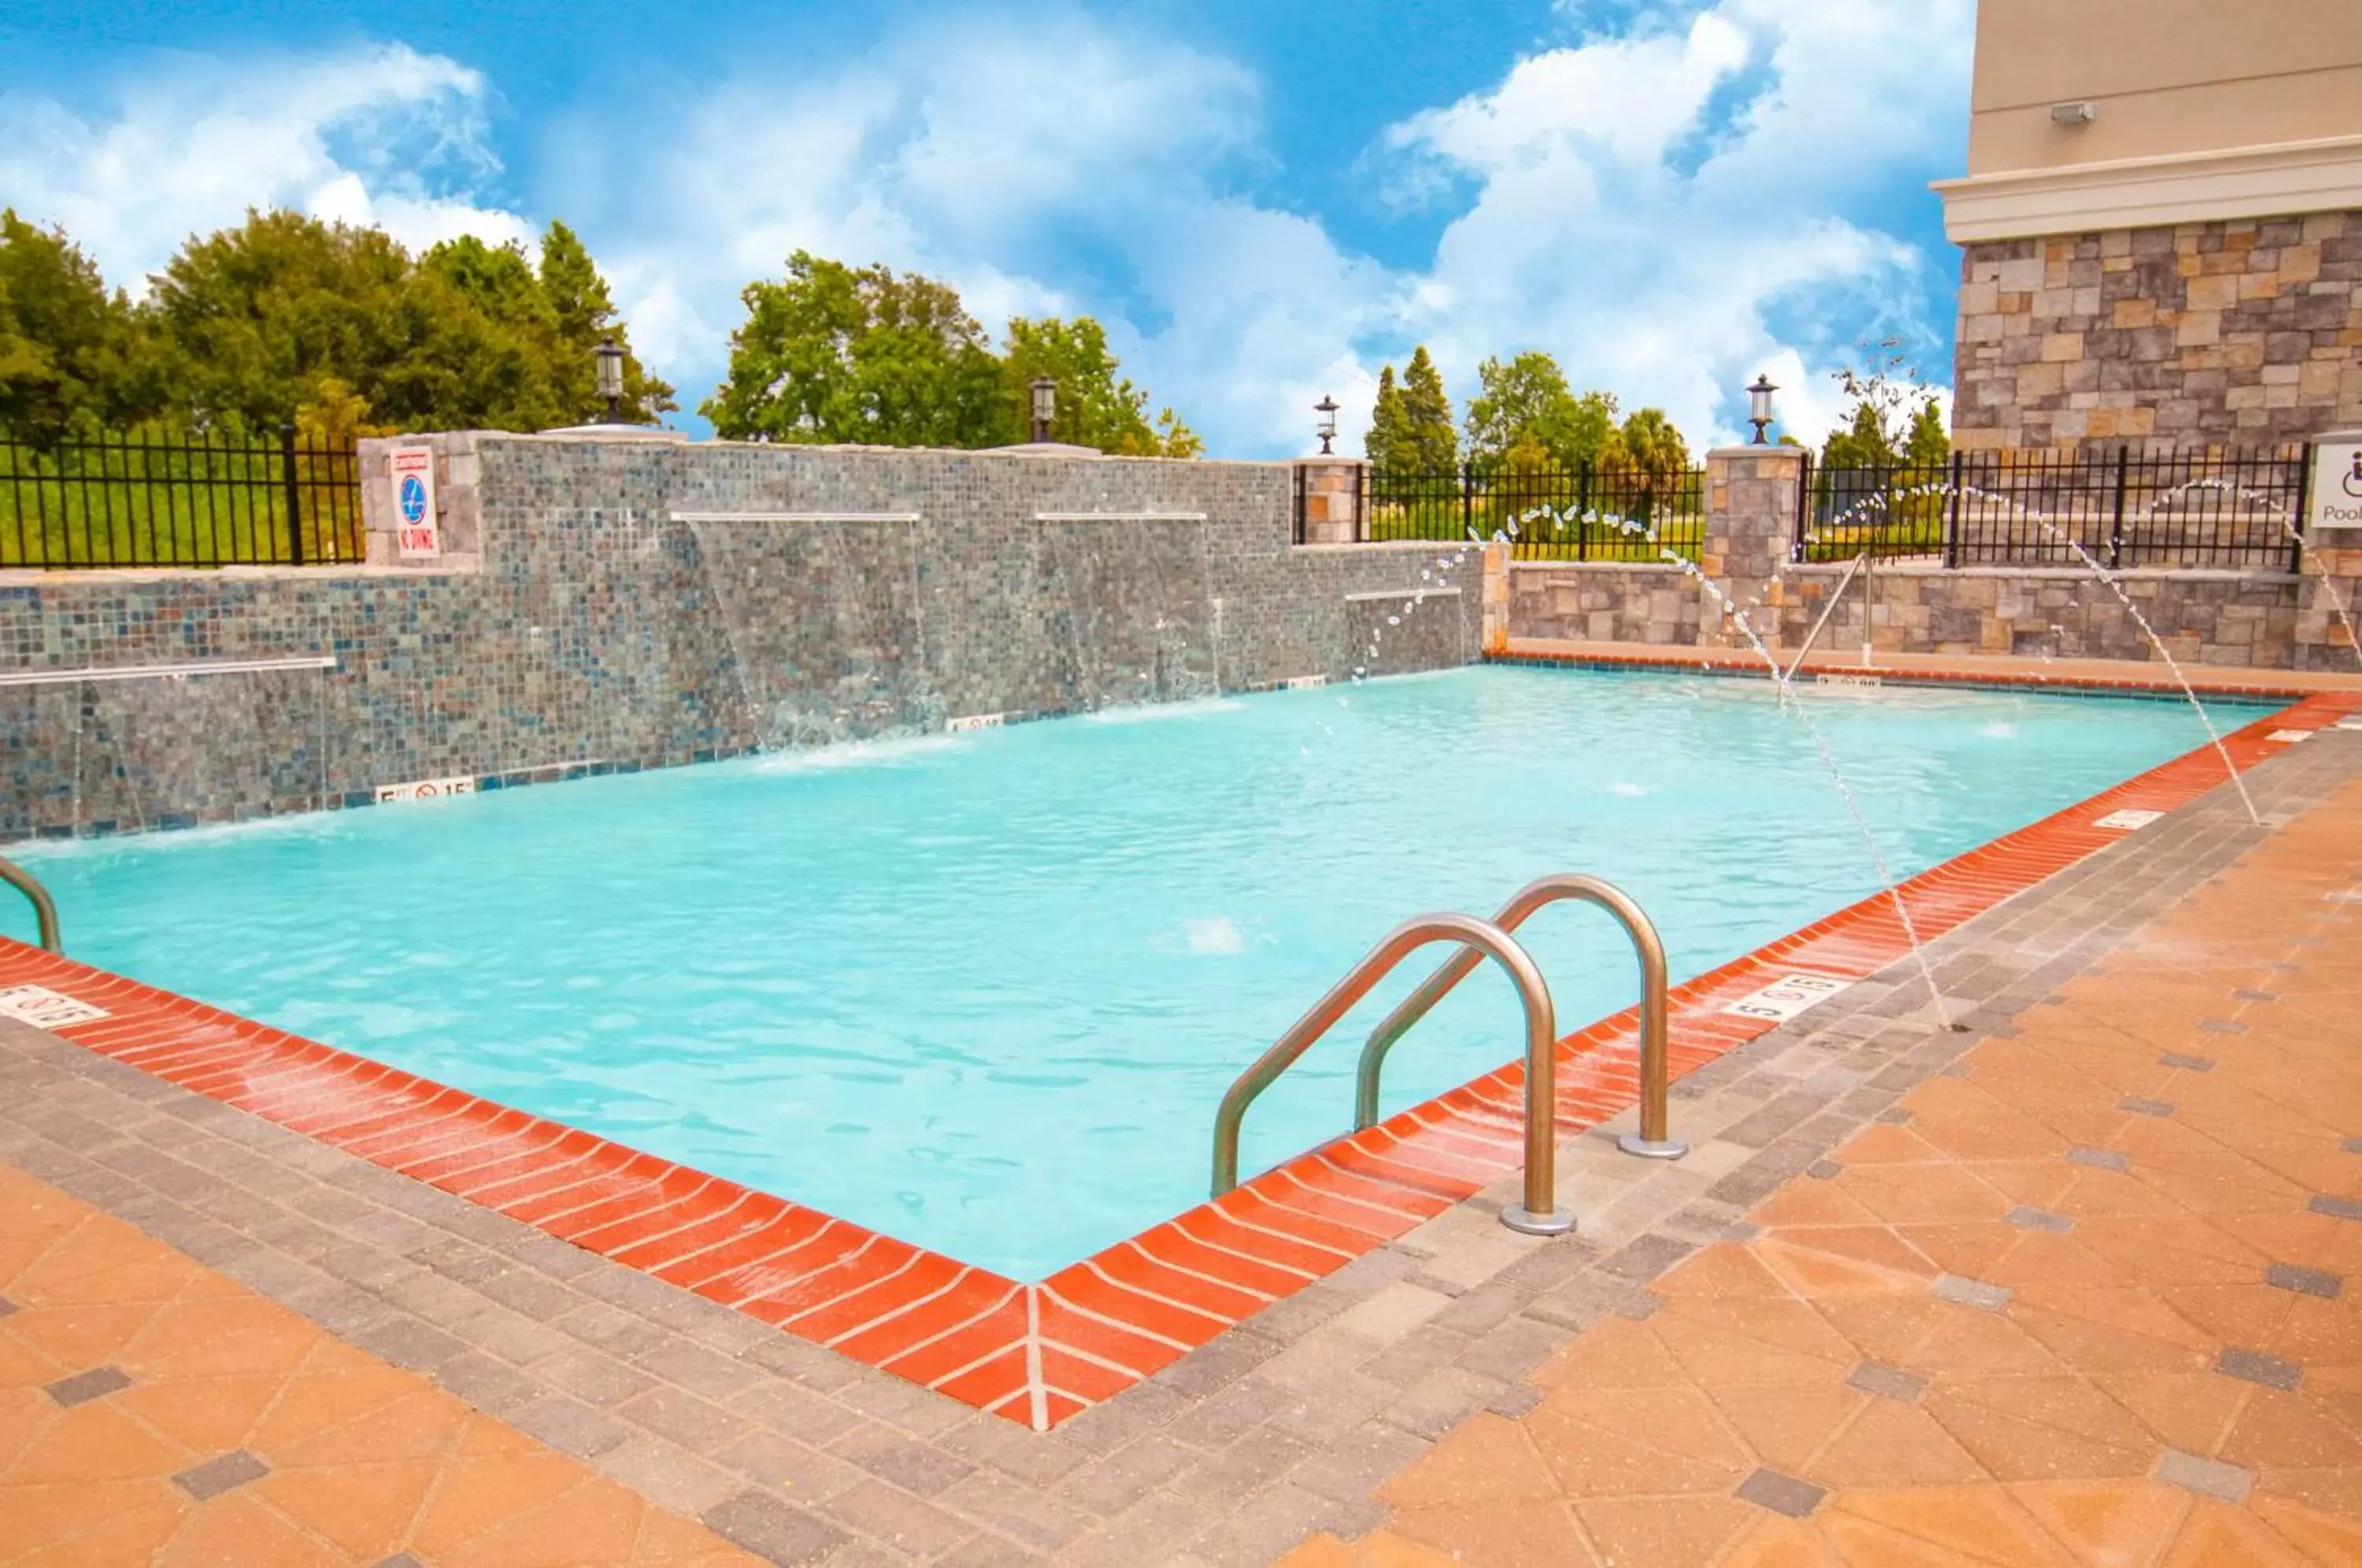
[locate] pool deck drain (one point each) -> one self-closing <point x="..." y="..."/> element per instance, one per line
<point x="1381" y="1306"/>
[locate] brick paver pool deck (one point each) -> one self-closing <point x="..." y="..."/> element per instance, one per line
<point x="1745" y="1352"/>
<point x="2092" y="1295"/>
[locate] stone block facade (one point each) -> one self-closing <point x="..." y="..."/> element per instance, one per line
<point x="614" y="605"/>
<point x="1605" y="602"/>
<point x="2232" y="619"/>
<point x="2244" y="333"/>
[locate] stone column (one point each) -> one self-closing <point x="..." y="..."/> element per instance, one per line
<point x="1493" y="605"/>
<point x="1751" y="495"/>
<point x="458" y="507"/>
<point x="1335" y="494"/>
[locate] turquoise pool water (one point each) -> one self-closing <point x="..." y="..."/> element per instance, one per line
<point x="984" y="991"/>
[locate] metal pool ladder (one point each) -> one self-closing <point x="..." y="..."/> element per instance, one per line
<point x="1654" y="1140"/>
<point x="45" y="909"/>
<point x="1538" y="1214"/>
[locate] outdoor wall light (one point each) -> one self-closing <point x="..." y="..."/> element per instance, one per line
<point x="2082" y="112"/>
<point x="1045" y="404"/>
<point x="1758" y="412"/>
<point x="610" y="378"/>
<point x="1327" y="408"/>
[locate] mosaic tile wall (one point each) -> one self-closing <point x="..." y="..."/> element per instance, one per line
<point x="580" y="625"/>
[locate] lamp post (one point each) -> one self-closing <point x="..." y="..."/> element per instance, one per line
<point x="610" y="378"/>
<point x="1045" y="404"/>
<point x="1758" y="412"/>
<point x="1327" y="408"/>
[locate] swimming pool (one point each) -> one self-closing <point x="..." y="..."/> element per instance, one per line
<point x="982" y="992"/>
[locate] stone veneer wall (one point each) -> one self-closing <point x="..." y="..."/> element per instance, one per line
<point x="1605" y="602"/>
<point x="575" y="625"/>
<point x="2244" y="333"/>
<point x="2263" y="620"/>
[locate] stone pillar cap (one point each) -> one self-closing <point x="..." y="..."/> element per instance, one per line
<point x="617" y="432"/>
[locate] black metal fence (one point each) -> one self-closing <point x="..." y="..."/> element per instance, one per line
<point x="1583" y="513"/>
<point x="178" y="501"/>
<point x="2230" y="510"/>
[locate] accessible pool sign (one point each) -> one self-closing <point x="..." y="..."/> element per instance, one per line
<point x="412" y="474"/>
<point x="2336" y="487"/>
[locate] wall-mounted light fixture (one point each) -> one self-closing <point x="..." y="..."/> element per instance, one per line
<point x="2080" y="112"/>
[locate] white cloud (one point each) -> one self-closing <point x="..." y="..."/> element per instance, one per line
<point x="1668" y="210"/>
<point x="361" y="135"/>
<point x="1653" y="251"/>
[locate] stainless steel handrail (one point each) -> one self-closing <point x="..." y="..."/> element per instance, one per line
<point x="45" y="909"/>
<point x="1655" y="1140"/>
<point x="1539" y="1214"/>
<point x="1837" y="595"/>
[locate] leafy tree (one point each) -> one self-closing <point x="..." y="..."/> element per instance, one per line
<point x="1528" y="396"/>
<point x="70" y="351"/>
<point x="1384" y="444"/>
<point x="251" y="319"/>
<point x="1429" y="445"/>
<point x="832" y="354"/>
<point x="483" y="350"/>
<point x="253" y="323"/>
<point x="1895" y="420"/>
<point x="1094" y="407"/>
<point x="1891" y="402"/>
<point x="1646" y="460"/>
<point x="585" y="317"/>
<point x="1929" y="445"/>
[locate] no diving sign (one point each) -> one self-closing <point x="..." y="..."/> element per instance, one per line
<point x="412" y="472"/>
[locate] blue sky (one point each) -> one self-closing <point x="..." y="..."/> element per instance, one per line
<point x="1263" y="201"/>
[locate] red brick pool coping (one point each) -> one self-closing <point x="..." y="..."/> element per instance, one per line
<point x="1039" y="1352"/>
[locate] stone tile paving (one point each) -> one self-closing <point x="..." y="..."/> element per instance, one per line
<point x="1895" y="1366"/>
<point x="152" y="1409"/>
<point x="1278" y="1431"/>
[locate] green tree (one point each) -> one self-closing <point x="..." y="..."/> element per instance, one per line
<point x="480" y="347"/>
<point x="1930" y="443"/>
<point x="1094" y="407"/>
<point x="1861" y="442"/>
<point x="1645" y="460"/>
<point x="252" y="319"/>
<point x="586" y="316"/>
<point x="1383" y="443"/>
<point x="1429" y="445"/>
<point x="71" y="353"/>
<point x="833" y="354"/>
<point x="1529" y="398"/>
<point x="253" y="323"/>
<point x="1888" y="397"/>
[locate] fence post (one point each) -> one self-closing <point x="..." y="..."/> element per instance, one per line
<point x="1796" y="549"/>
<point x="295" y="494"/>
<point x="2303" y="502"/>
<point x="1468" y="499"/>
<point x="1582" y="500"/>
<point x="2117" y="522"/>
<point x="1952" y="519"/>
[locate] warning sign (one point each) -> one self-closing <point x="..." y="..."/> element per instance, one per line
<point x="412" y="472"/>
